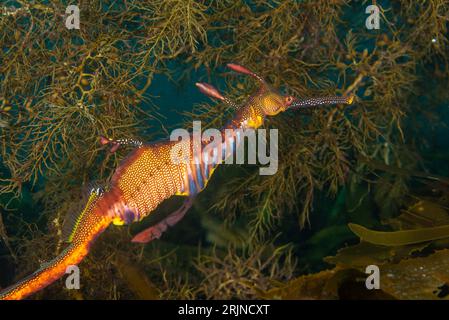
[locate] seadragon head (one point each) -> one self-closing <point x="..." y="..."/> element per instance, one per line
<point x="268" y="101"/>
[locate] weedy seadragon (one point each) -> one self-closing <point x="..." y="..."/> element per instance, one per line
<point x="148" y="176"/>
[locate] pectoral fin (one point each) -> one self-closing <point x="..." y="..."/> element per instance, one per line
<point x="154" y="232"/>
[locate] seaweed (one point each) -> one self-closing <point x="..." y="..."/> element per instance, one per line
<point x="372" y="164"/>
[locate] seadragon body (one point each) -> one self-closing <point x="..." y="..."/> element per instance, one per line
<point x="149" y="175"/>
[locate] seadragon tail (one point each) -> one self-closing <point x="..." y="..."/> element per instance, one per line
<point x="90" y="223"/>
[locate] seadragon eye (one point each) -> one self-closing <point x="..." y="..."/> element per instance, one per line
<point x="288" y="100"/>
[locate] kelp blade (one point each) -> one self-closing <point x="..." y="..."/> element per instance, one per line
<point x="400" y="238"/>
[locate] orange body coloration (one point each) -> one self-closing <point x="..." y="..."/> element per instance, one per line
<point x="92" y="224"/>
<point x="149" y="175"/>
<point x="144" y="179"/>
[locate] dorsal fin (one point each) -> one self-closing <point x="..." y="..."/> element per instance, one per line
<point x="241" y="69"/>
<point x="72" y="220"/>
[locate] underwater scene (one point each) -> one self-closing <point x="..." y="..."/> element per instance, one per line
<point x="224" y="150"/>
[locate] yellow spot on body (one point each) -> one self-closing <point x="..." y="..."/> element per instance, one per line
<point x="255" y="122"/>
<point x="118" y="221"/>
<point x="350" y="99"/>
